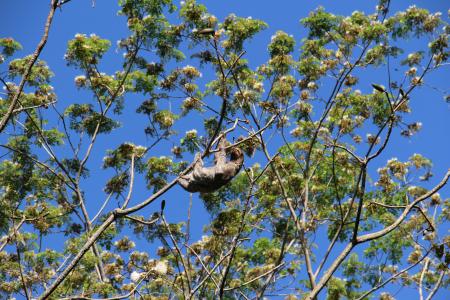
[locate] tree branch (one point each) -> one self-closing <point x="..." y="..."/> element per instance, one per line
<point x="371" y="236"/>
<point x="34" y="57"/>
<point x="393" y="277"/>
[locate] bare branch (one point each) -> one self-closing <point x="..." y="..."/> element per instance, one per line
<point x="371" y="236"/>
<point x="409" y="207"/>
<point x="194" y="290"/>
<point x="180" y="254"/>
<point x="6" y="238"/>
<point x="432" y="227"/>
<point x="437" y="285"/>
<point x="130" y="190"/>
<point x="422" y="275"/>
<point x="256" y="278"/>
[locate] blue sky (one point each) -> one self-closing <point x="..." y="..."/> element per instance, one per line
<point x="24" y="21"/>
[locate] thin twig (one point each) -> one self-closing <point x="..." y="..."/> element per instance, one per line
<point x="180" y="254"/>
<point x="256" y="278"/>
<point x="422" y="275"/>
<point x="393" y="277"/>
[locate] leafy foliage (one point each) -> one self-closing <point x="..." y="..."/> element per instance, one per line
<point x="313" y="187"/>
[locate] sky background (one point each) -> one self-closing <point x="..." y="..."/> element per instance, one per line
<point x="24" y="20"/>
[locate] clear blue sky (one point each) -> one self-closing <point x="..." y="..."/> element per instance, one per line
<point x="24" y="20"/>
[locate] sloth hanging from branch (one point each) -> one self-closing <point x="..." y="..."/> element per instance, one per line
<point x="208" y="179"/>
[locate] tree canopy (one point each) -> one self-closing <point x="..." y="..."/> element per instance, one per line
<point x="321" y="208"/>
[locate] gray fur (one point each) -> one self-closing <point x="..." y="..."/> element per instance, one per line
<point x="208" y="179"/>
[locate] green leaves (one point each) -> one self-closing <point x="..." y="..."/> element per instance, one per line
<point x="191" y="141"/>
<point x="84" y="119"/>
<point x="123" y="154"/>
<point x="40" y="73"/>
<point x="158" y="169"/>
<point x="307" y="162"/>
<point x="165" y="119"/>
<point x="280" y="48"/>
<point x="9" y="46"/>
<point x="226" y="223"/>
<point x="84" y="51"/>
<point x="139" y="7"/>
<point x="414" y="21"/>
<point x="414" y="59"/>
<point x="142" y="82"/>
<point x="281" y="44"/>
<point x="195" y="15"/>
<point x="238" y="30"/>
<point x="161" y="121"/>
<point x="320" y="22"/>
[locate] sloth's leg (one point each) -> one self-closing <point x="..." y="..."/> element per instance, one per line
<point x="220" y="157"/>
<point x="199" y="171"/>
<point x="202" y="175"/>
<point x="191" y="180"/>
<point x="184" y="182"/>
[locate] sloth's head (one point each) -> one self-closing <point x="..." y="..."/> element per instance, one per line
<point x="236" y="155"/>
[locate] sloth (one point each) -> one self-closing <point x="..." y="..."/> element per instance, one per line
<point x="208" y="179"/>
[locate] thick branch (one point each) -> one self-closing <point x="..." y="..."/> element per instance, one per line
<point x="409" y="207"/>
<point x="371" y="236"/>
<point x="118" y="213"/>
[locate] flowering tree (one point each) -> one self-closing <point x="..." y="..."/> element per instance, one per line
<point x="311" y="174"/>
